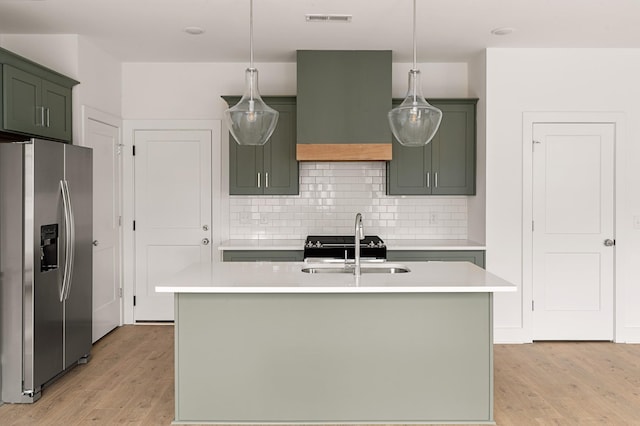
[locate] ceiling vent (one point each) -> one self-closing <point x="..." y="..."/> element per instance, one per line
<point x="328" y="18"/>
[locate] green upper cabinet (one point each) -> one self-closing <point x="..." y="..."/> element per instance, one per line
<point x="36" y="101"/>
<point x="270" y="169"/>
<point x="445" y="166"/>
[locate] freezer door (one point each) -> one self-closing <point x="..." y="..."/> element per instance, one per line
<point x="43" y="309"/>
<point x="78" y="293"/>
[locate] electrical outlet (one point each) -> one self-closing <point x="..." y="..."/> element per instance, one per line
<point x="245" y="218"/>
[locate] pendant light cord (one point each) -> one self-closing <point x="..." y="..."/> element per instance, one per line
<point x="414" y="34"/>
<point x="251" y="33"/>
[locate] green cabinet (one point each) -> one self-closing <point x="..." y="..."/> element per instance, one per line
<point x="445" y="166"/>
<point x="473" y="256"/>
<point x="270" y="169"/>
<point x="263" y="256"/>
<point x="36" y="101"/>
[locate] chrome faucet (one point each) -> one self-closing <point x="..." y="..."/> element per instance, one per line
<point x="358" y="235"/>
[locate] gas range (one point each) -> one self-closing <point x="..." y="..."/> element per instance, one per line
<point x="343" y="247"/>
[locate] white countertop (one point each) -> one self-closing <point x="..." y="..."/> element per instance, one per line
<point x="393" y="244"/>
<point x="287" y="277"/>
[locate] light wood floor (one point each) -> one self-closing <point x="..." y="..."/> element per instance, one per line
<point x="129" y="380"/>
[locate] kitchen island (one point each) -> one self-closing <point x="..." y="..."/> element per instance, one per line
<point x="263" y="342"/>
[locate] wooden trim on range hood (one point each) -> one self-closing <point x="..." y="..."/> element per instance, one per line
<point x="344" y="152"/>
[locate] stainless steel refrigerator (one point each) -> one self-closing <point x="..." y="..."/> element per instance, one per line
<point x="45" y="263"/>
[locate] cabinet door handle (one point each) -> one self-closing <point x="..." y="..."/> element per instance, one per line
<point x="435" y="178"/>
<point x="41" y="122"/>
<point x="428" y="179"/>
<point x="48" y="116"/>
<point x="258" y="179"/>
<point x="266" y="179"/>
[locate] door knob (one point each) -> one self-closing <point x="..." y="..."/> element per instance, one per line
<point x="608" y="242"/>
<point x="205" y="241"/>
<point x="95" y="243"/>
<point x="205" y="227"/>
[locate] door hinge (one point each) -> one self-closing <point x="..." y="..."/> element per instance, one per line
<point x="119" y="220"/>
<point x="533" y="305"/>
<point x="134" y="301"/>
<point x="120" y="292"/>
<point x="134" y="150"/>
<point x="134" y="225"/>
<point x="533" y="225"/>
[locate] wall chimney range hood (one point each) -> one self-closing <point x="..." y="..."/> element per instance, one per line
<point x="343" y="100"/>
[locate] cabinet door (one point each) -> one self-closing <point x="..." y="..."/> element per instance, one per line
<point x="473" y="256"/>
<point x="56" y="100"/>
<point x="453" y="151"/>
<point x="263" y="256"/>
<point x="245" y="162"/>
<point x="280" y="165"/>
<point x="408" y="172"/>
<point x="22" y="101"/>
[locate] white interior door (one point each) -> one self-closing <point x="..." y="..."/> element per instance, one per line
<point x="107" y="170"/>
<point x="172" y="212"/>
<point x="573" y="214"/>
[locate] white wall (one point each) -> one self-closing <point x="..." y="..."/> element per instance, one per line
<point x="58" y="52"/>
<point x="100" y="76"/>
<point x="567" y="80"/>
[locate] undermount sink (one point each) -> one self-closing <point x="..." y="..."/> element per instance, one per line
<point x="379" y="268"/>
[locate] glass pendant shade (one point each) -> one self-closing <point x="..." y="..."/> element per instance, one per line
<point x="251" y="121"/>
<point x="414" y="122"/>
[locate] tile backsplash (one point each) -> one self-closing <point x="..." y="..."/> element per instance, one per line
<point x="331" y="193"/>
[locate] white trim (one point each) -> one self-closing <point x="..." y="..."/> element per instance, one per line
<point x="90" y="113"/>
<point x="528" y="120"/>
<point x="128" y="214"/>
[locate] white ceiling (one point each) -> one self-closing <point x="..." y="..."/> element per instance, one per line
<point x="448" y="30"/>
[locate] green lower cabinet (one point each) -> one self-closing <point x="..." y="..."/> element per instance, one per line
<point x="473" y="256"/>
<point x="263" y="256"/>
<point x="270" y="169"/>
<point x="445" y="166"/>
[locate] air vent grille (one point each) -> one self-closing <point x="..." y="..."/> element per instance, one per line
<point x="328" y="18"/>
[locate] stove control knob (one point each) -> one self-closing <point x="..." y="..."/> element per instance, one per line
<point x="380" y="244"/>
<point x="371" y="244"/>
<point x="318" y="244"/>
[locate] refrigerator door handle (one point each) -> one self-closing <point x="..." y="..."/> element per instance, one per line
<point x="72" y="240"/>
<point x="66" y="276"/>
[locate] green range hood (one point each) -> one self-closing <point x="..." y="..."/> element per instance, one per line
<point x="343" y="100"/>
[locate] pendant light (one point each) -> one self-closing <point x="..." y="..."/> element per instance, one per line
<point x="251" y="121"/>
<point x="414" y="122"/>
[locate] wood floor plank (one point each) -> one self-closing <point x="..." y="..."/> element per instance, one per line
<point x="129" y="380"/>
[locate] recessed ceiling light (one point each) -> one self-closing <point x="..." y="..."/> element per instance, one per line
<point x="502" y="31"/>
<point x="194" y="30"/>
<point x="328" y="18"/>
